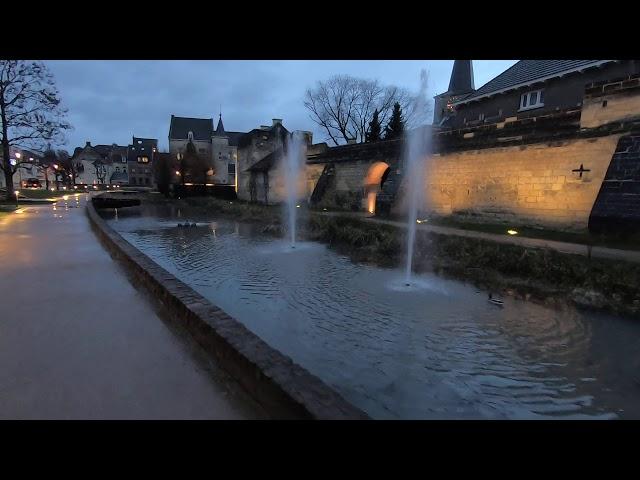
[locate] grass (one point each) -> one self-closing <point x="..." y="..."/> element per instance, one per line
<point x="581" y="237"/>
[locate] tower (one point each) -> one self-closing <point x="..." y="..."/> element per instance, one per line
<point x="460" y="85"/>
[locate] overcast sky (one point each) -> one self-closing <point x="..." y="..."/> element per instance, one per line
<point x="109" y="101"/>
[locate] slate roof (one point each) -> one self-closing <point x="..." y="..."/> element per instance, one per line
<point x="461" y="77"/>
<point x="245" y="139"/>
<point x="180" y="127"/>
<point x="119" y="177"/>
<point x="528" y="71"/>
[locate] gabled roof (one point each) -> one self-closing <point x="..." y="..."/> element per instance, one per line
<point x="180" y="127"/>
<point x="526" y="72"/>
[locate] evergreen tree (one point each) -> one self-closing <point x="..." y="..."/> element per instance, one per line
<point x="395" y="127"/>
<point x="375" y="129"/>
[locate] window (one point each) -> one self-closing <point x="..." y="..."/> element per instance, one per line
<point x="202" y="150"/>
<point x="231" y="169"/>
<point x="146" y="180"/>
<point x="118" y="169"/>
<point x="532" y="100"/>
<point x="139" y="142"/>
<point x="133" y="170"/>
<point x="481" y="117"/>
<point x="190" y="135"/>
<point x="143" y="159"/>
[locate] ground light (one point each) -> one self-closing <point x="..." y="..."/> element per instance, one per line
<point x="512" y="232"/>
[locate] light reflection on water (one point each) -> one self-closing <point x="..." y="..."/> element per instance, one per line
<point x="436" y="349"/>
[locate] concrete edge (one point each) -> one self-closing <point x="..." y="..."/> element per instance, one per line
<point x="284" y="389"/>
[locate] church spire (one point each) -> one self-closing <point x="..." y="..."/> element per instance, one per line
<point x="461" y="77"/>
<point x="220" y="129"/>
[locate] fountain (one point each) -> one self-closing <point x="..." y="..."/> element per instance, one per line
<point x="293" y="161"/>
<point x="416" y="154"/>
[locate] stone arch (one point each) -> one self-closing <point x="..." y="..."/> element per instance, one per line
<point x="374" y="179"/>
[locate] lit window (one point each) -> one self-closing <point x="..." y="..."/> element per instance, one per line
<point x="139" y="142"/>
<point x="531" y="100"/>
<point x="143" y="159"/>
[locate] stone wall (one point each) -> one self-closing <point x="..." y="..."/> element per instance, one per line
<point x="280" y="386"/>
<point x="611" y="101"/>
<point x="533" y="183"/>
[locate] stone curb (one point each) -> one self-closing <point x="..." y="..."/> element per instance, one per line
<point x="284" y="389"/>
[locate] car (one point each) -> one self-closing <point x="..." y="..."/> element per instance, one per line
<point x="32" y="183"/>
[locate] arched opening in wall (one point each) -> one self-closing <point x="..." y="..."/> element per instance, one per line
<point x="375" y="178"/>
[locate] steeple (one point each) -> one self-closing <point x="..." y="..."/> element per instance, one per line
<point x="220" y="129"/>
<point x="461" y="77"/>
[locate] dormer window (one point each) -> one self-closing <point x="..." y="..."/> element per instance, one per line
<point x="190" y="135"/>
<point x="531" y="100"/>
<point x="139" y="142"/>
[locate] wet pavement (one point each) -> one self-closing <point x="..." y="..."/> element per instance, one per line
<point x="78" y="341"/>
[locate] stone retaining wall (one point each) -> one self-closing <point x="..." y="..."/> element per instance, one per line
<point x="284" y="389"/>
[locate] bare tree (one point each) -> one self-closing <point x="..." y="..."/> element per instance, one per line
<point x="344" y="106"/>
<point x="30" y="112"/>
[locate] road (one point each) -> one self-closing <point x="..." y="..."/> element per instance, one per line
<point x="78" y="341"/>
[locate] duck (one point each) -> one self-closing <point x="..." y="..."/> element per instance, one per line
<point x="495" y="301"/>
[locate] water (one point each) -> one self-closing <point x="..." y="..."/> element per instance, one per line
<point x="436" y="349"/>
<point x="416" y="154"/>
<point x="293" y="170"/>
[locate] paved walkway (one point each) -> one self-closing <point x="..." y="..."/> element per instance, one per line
<point x="77" y="341"/>
<point x="564" y="247"/>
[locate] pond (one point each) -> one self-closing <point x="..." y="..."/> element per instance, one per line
<point x="436" y="350"/>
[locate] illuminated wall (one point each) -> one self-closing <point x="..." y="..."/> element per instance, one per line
<point x="536" y="183"/>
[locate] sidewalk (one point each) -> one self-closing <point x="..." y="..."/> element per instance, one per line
<point x="77" y="341"/>
<point x="563" y="247"/>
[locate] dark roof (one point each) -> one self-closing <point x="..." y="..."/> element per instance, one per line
<point x="245" y="139"/>
<point x="180" y="127"/>
<point x="141" y="146"/>
<point x="220" y="128"/>
<point x="267" y="162"/>
<point x="119" y="177"/>
<point x="525" y="72"/>
<point x="461" y="77"/>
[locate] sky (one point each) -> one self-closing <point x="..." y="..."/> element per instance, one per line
<point x="109" y="101"/>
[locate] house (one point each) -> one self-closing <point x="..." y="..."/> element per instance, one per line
<point x="140" y="158"/>
<point x="219" y="147"/>
<point x="30" y="167"/>
<point x="100" y="164"/>
<point x="529" y="88"/>
<point x="261" y="165"/>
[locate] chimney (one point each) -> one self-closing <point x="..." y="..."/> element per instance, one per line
<point x="276" y="121"/>
<point x="88" y="144"/>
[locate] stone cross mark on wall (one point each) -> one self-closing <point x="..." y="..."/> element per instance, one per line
<point x="581" y="170"/>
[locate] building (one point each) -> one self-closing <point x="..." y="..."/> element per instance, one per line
<point x="30" y="167"/>
<point x="570" y="164"/>
<point x="529" y="88"/>
<point x="140" y="159"/>
<point x="100" y="164"/>
<point x="219" y="147"/>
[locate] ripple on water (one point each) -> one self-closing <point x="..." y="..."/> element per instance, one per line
<point x="435" y="349"/>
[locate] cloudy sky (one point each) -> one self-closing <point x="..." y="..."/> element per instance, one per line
<point x="109" y="101"/>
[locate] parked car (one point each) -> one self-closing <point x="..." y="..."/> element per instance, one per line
<point x="32" y="183"/>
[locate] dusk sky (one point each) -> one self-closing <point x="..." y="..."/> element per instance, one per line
<point x="109" y="101"/>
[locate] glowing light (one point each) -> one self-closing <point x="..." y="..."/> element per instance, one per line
<point x="64" y="188"/>
<point x="424" y="220"/>
<point x="55" y="165"/>
<point x="95" y="187"/>
<point x="326" y="210"/>
<point x="18" y="155"/>
<point x="297" y="206"/>
<point x="177" y="173"/>
<point x="19" y="210"/>
<point x="512" y="232"/>
<point x="52" y="189"/>
<point x="75" y="188"/>
<point x="65" y="197"/>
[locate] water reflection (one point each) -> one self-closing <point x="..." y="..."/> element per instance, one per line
<point x="436" y="350"/>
